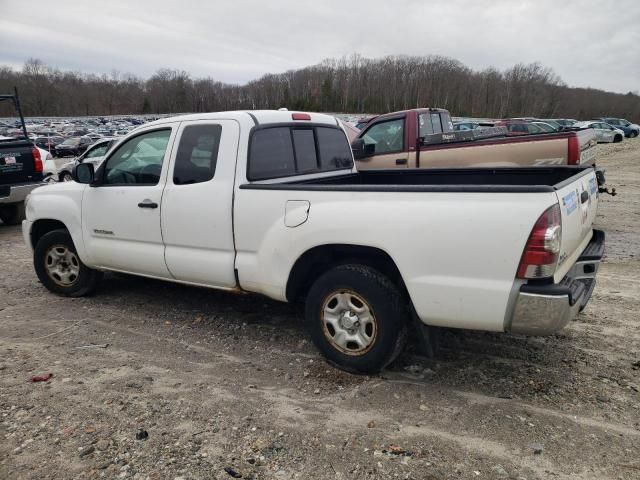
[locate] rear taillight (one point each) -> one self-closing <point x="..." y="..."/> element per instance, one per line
<point x="300" y="116"/>
<point x="37" y="160"/>
<point x="540" y="254"/>
<point x="573" y="155"/>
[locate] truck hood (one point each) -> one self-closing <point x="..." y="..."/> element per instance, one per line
<point x="62" y="188"/>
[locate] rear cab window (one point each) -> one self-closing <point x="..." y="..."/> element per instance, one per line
<point x="283" y="151"/>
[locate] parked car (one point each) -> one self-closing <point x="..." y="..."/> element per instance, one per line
<point x="94" y="154"/>
<point x="425" y="138"/>
<point x="545" y="126"/>
<point x="73" y="146"/>
<point x="20" y="169"/>
<point x="565" y="122"/>
<point x="362" y="122"/>
<point x="630" y="129"/>
<point x="49" y="166"/>
<point x="270" y="202"/>
<point x="517" y="127"/>
<point x="605" y="133"/>
<point x="49" y="143"/>
<point x="463" y="126"/>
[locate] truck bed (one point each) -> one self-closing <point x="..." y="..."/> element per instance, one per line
<point x="521" y="179"/>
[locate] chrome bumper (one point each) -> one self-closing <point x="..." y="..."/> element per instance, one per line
<point x="17" y="193"/>
<point x="545" y="309"/>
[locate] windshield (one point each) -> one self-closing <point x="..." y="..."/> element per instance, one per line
<point x="71" y="141"/>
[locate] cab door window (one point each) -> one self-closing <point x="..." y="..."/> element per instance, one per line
<point x="386" y="137"/>
<point x="138" y="161"/>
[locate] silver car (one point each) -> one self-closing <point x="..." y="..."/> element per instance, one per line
<point x="94" y="154"/>
<point x="605" y="133"/>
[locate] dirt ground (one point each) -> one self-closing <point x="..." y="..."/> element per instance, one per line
<point x="221" y="381"/>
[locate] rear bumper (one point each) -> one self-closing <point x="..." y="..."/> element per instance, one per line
<point x="545" y="309"/>
<point x="17" y="193"/>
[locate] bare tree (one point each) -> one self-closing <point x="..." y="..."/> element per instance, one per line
<point x="350" y="84"/>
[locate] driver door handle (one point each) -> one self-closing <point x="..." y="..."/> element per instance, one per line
<point x="148" y="204"/>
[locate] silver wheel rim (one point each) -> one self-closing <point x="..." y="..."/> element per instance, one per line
<point x="348" y="322"/>
<point x="66" y="177"/>
<point x="62" y="265"/>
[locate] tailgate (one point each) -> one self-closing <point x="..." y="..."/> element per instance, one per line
<point x="578" y="199"/>
<point x="16" y="163"/>
<point x="587" y="139"/>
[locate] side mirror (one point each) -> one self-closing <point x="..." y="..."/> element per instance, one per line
<point x="83" y="173"/>
<point x="362" y="150"/>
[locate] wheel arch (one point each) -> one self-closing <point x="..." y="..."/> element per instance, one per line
<point x="319" y="259"/>
<point x="43" y="226"/>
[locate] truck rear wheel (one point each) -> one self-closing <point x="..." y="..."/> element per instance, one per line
<point x="357" y="318"/>
<point x="12" y="214"/>
<point x="59" y="267"/>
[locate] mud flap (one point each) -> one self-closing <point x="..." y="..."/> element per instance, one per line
<point x="427" y="337"/>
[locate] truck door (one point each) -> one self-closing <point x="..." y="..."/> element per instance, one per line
<point x="197" y="204"/>
<point x="121" y="215"/>
<point x="385" y="141"/>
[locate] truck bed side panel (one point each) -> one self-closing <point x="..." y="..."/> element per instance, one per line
<point x="457" y="252"/>
<point x="490" y="154"/>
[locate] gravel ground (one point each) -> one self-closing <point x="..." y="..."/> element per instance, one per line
<point x="198" y="384"/>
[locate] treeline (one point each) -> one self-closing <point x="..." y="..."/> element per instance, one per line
<point x="355" y="84"/>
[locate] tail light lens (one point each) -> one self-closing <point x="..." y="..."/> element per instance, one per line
<point x="37" y="160"/>
<point x="300" y="116"/>
<point x="540" y="254"/>
<point x="573" y="155"/>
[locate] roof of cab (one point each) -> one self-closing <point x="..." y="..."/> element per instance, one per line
<point x="260" y="117"/>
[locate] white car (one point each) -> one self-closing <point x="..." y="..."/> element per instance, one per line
<point x="270" y="202"/>
<point x="94" y="154"/>
<point x="605" y="133"/>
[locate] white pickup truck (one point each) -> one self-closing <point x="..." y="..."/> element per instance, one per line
<point x="271" y="203"/>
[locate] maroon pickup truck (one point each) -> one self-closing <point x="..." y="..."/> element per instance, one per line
<point x="425" y="138"/>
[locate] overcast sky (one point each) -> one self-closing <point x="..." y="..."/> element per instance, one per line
<point x="589" y="43"/>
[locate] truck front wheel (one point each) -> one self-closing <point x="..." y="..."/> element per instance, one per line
<point x="59" y="267"/>
<point x="357" y="318"/>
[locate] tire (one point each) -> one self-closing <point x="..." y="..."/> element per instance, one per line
<point x="65" y="176"/>
<point x="617" y="139"/>
<point x="12" y="214"/>
<point x="357" y="292"/>
<point x="68" y="277"/>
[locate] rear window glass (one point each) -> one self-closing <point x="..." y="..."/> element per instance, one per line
<point x="305" y="147"/>
<point x="271" y="154"/>
<point x="335" y="151"/>
<point x="286" y="151"/>
<point x="435" y="122"/>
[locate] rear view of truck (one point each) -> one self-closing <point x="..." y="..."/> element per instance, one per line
<point x="560" y="260"/>
<point x="20" y="170"/>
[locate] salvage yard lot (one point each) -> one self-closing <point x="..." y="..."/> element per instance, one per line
<point x="222" y="381"/>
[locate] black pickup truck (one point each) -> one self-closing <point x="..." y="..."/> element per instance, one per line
<point x="20" y="170"/>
